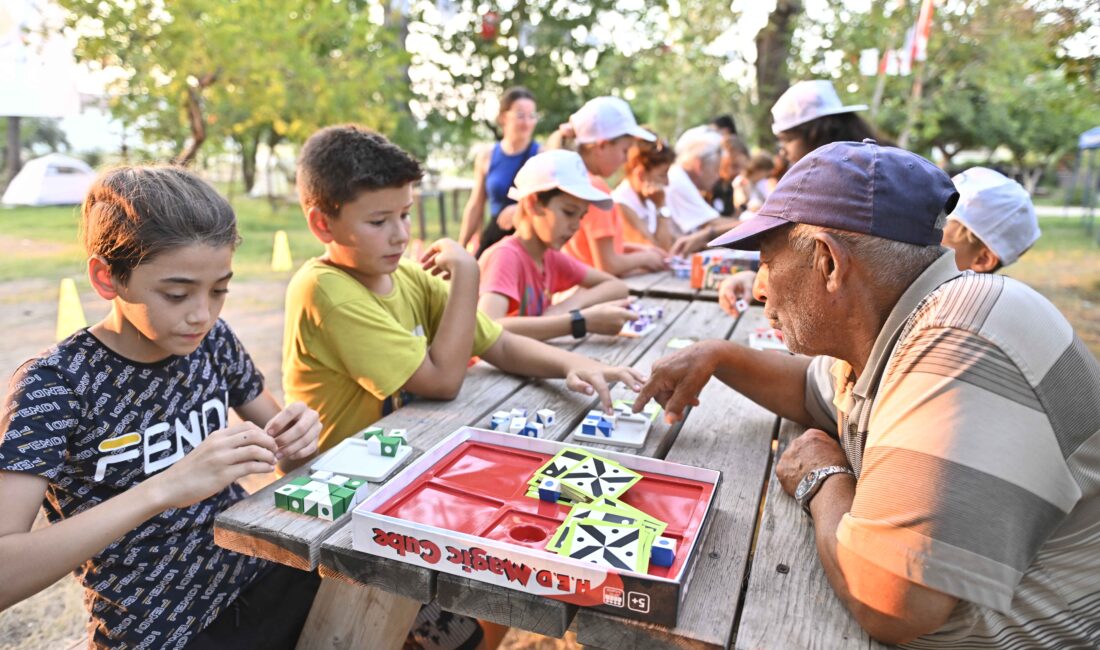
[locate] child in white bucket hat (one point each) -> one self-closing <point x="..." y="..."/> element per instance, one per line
<point x="521" y="273"/>
<point x="604" y="130"/>
<point x="994" y="222"/>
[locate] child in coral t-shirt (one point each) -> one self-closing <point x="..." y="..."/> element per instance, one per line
<point x="520" y="274"/>
<point x="604" y="130"/>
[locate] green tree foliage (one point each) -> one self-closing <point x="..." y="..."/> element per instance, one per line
<point x="662" y="61"/>
<point x="997" y="75"/>
<point x="677" y="81"/>
<point x="249" y="71"/>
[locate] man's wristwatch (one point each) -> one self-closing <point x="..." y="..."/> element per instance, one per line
<point x="811" y="483"/>
<point x="579" y="325"/>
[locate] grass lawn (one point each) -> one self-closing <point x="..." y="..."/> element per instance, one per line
<point x="43" y="243"/>
<point x="1064" y="266"/>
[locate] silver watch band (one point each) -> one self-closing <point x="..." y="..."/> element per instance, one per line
<point x="813" y="481"/>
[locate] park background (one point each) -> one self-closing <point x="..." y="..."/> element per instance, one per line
<point x="232" y="89"/>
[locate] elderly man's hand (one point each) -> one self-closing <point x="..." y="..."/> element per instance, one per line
<point x="807" y="452"/>
<point x="677" y="379"/>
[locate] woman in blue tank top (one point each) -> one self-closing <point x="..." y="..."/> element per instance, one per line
<point x="494" y="170"/>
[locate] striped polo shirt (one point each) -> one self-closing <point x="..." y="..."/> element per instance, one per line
<point x="975" y="433"/>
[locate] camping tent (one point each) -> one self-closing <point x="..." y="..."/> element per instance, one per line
<point x="50" y="180"/>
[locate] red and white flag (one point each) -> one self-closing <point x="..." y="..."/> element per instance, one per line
<point x="922" y="31"/>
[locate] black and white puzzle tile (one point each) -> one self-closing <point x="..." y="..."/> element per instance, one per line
<point x="608" y="544"/>
<point x="596" y="477"/>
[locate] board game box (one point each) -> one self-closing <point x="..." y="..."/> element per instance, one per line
<point x="465" y="508"/>
<point x="710" y="267"/>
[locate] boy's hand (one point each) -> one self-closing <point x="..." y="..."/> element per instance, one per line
<point x="296" y="430"/>
<point x="225" y="456"/>
<point x="608" y="317"/>
<point x="736" y="289"/>
<point x="447" y="257"/>
<point x="598" y="379"/>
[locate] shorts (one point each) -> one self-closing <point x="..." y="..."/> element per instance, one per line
<point x="269" y="614"/>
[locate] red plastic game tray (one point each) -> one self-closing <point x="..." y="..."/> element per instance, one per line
<point x="461" y="508"/>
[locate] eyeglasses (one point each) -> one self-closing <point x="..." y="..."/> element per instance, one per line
<point x="525" y="116"/>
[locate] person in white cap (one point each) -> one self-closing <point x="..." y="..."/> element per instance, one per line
<point x="603" y="131"/>
<point x="807" y="116"/>
<point x="810" y="115"/>
<point x="994" y="222"/>
<point x="521" y="272"/>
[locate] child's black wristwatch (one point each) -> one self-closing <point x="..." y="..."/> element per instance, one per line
<point x="579" y="325"/>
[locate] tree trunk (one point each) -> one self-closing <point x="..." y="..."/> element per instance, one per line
<point x="773" y="45"/>
<point x="250" y="145"/>
<point x="273" y="139"/>
<point x="195" y="118"/>
<point x="947" y="154"/>
<point x="1031" y="177"/>
<point x="14" y="162"/>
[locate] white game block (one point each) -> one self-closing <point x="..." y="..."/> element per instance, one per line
<point x="545" y="417"/>
<point x="518" y="423"/>
<point x="322" y="500"/>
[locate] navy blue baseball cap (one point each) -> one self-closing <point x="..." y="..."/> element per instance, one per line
<point x="859" y="187"/>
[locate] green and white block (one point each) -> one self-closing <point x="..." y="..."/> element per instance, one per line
<point x="321" y="505"/>
<point x="297" y="500"/>
<point x="371" y="432"/>
<point x="326" y="499"/>
<point x="388" y="445"/>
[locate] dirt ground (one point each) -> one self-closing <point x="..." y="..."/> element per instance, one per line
<point x="55" y="617"/>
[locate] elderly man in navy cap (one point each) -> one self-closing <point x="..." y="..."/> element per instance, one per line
<point x="952" y="467"/>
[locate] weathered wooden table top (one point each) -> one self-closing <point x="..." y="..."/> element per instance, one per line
<point x="756" y="581"/>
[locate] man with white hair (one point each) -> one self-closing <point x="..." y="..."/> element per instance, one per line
<point x="953" y="477"/>
<point x="698" y="158"/>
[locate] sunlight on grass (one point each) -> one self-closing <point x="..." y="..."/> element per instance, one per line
<point x="43" y="243"/>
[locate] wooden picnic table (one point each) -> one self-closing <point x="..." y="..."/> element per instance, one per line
<point x="756" y="581"/>
<point x="665" y="284"/>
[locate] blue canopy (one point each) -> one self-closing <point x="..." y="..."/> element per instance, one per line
<point x="1090" y="139"/>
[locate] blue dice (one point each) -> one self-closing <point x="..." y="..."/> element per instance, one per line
<point x="550" y="490"/>
<point x="663" y="552"/>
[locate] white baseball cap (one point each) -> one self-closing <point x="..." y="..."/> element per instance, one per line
<point x="606" y="118"/>
<point x="998" y="211"/>
<point x="557" y="169"/>
<point x="808" y="100"/>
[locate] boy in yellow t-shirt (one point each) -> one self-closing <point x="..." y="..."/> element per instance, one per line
<point x="364" y="326"/>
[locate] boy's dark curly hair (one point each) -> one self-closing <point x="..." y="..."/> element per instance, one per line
<point x="339" y="162"/>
